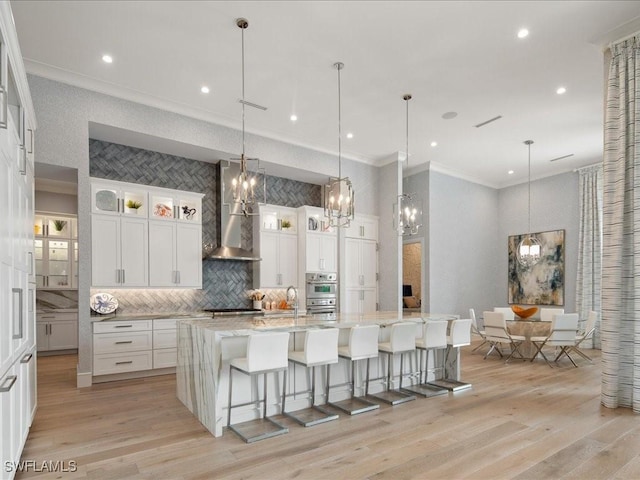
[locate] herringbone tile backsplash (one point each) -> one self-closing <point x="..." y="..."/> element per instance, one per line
<point x="225" y="284"/>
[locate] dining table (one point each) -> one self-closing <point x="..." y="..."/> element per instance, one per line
<point x="528" y="328"/>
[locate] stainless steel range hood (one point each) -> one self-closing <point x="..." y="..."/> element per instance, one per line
<point x="227" y="225"/>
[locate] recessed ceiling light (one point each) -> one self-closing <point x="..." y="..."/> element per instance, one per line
<point x="523" y="32"/>
<point x="107" y="58"/>
<point x="294" y="118"/>
<point x="349" y="135"/>
<point x="561" y="90"/>
<point x="449" y="115"/>
<point x="434" y="144"/>
<point x="510" y="172"/>
<point x="204" y="89"/>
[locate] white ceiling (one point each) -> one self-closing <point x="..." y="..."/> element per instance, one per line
<point x="451" y="56"/>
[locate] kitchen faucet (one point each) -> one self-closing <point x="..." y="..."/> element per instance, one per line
<point x="295" y="300"/>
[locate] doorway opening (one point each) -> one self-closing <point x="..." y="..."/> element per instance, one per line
<point x="413" y="285"/>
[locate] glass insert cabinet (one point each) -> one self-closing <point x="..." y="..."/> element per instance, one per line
<point x="56" y="251"/>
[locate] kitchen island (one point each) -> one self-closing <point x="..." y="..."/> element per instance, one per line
<point x="205" y="347"/>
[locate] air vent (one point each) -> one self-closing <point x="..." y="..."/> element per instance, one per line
<point x="488" y="121"/>
<point x="561" y="158"/>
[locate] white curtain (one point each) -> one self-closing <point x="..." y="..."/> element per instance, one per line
<point x="620" y="326"/>
<point x="590" y="245"/>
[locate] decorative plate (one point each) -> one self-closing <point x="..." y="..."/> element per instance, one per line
<point x="103" y="303"/>
<point x="162" y="210"/>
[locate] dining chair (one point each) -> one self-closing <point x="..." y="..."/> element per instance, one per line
<point x="496" y="333"/>
<point x="506" y="311"/>
<point x="564" y="329"/>
<point x="589" y="330"/>
<point x="546" y="314"/>
<point x="475" y="330"/>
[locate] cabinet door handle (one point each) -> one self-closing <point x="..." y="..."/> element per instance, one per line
<point x="124" y="363"/>
<point x="117" y="275"/>
<point x="178" y="272"/>
<point x="362" y="231"/>
<point x="3" y="107"/>
<point x="322" y="264"/>
<point x="51" y="329"/>
<point x="31" y="264"/>
<point x="30" y="141"/>
<point x="123" y="277"/>
<point x="17" y="313"/>
<point x="123" y="342"/>
<point x="361" y="294"/>
<point x="26" y="358"/>
<point x="23" y="160"/>
<point x="122" y="326"/>
<point x="11" y="379"/>
<point x="48" y="316"/>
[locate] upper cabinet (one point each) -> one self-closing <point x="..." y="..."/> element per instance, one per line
<point x="145" y="236"/>
<point x="317" y="242"/>
<point x="52" y="225"/>
<point x="118" y="198"/>
<point x="364" y="227"/>
<point x="277" y="245"/>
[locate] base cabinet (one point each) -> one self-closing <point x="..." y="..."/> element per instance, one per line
<point x="57" y="331"/>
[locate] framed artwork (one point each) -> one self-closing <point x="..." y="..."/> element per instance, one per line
<point x="543" y="283"/>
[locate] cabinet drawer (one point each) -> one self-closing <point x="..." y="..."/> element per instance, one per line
<point x="122" y="342"/>
<point x="165" y="324"/>
<point x="119" y="363"/>
<point x="164" y="339"/>
<point x="167" y="357"/>
<point x="134" y="326"/>
<point x="52" y="317"/>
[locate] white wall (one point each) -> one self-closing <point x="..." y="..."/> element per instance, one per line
<point x="419" y="184"/>
<point x="56" y="202"/>
<point x="554" y="206"/>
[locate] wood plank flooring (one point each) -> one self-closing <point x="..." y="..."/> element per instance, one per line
<point x="521" y="420"/>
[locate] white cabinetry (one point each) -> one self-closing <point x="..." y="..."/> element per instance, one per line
<point x="57" y="331"/>
<point x="17" y="320"/>
<point x="359" y="266"/>
<point x="119" y="256"/>
<point x="135" y="348"/>
<point x="277" y="246"/>
<point x="55" y="251"/>
<point x="160" y="246"/>
<point x="318" y="244"/>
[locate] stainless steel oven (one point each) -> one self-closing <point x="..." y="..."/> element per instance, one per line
<point x="322" y="294"/>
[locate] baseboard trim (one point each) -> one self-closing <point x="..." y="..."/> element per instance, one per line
<point x="83" y="380"/>
<point x="137" y="374"/>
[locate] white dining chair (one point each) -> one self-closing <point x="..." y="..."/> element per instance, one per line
<point x="546" y="314"/>
<point x="506" y="312"/>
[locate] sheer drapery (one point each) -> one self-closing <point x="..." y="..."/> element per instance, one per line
<point x="590" y="246"/>
<point x="620" y="325"/>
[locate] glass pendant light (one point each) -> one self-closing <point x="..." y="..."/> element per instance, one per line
<point x="338" y="193"/>
<point x="247" y="185"/>
<point x="409" y="218"/>
<point x="529" y="249"/>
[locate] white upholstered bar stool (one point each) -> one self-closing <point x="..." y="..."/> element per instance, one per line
<point x="459" y="336"/>
<point x="362" y="345"/>
<point x="434" y="338"/>
<point x="266" y="353"/>
<point x="402" y="340"/>
<point x="320" y="349"/>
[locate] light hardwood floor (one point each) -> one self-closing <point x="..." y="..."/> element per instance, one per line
<point x="522" y="420"/>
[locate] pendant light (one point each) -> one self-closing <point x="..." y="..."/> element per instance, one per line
<point x="338" y="193"/>
<point x="247" y="184"/>
<point x="409" y="218"/>
<point x="529" y="249"/>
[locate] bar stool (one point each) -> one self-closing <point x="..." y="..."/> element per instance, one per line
<point x="363" y="344"/>
<point x="402" y="340"/>
<point x="460" y="335"/>
<point x="266" y="353"/>
<point x="434" y="338"/>
<point x="320" y="348"/>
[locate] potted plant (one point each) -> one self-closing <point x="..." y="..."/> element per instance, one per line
<point x="286" y="224"/>
<point x="133" y="206"/>
<point x="59" y="225"/>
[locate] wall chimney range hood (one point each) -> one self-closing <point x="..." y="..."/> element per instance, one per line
<point x="228" y="225"/>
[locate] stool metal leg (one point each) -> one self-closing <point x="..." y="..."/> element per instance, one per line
<point x="315" y="414"/>
<point x="426" y="389"/>
<point x="353" y="405"/>
<point x="451" y="384"/>
<point x="390" y="395"/>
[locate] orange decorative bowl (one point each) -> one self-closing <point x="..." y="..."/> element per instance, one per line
<point x="524" y="312"/>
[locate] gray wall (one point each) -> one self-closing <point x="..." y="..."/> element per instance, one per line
<point x="389" y="254"/>
<point x="464" y="247"/>
<point x="554" y="206"/>
<point x="64" y="113"/>
<point x="56" y="202"/>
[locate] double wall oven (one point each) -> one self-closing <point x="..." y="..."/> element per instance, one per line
<point x="321" y="292"/>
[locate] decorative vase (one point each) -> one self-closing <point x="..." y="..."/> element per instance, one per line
<point x="257" y="305"/>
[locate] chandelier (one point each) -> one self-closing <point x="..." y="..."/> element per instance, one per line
<point x="409" y="219"/>
<point x="529" y="249"/>
<point x="248" y="187"/>
<point x="338" y="193"/>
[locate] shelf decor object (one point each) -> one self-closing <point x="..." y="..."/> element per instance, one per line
<point x="409" y="216"/>
<point x="247" y="184"/>
<point x="529" y="249"/>
<point x="523" y="313"/>
<point x="338" y="193"/>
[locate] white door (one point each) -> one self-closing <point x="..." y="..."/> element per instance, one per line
<point x="105" y="251"/>
<point x="63" y="335"/>
<point x="369" y="263"/>
<point x="134" y="252"/>
<point x="288" y="253"/>
<point x="189" y="255"/>
<point x="351" y="302"/>
<point x="6" y="181"/>
<point x="352" y="274"/>
<point x="162" y="252"/>
<point x="369" y="300"/>
<point x="329" y="259"/>
<point x="314" y="252"/>
<point x="269" y="272"/>
<point x="6" y="282"/>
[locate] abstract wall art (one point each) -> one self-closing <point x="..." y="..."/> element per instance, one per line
<point x="543" y="283"/>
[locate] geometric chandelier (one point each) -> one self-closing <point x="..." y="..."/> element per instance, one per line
<point x="409" y="219"/>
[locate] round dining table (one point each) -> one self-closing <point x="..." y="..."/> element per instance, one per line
<point x="528" y="329"/>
